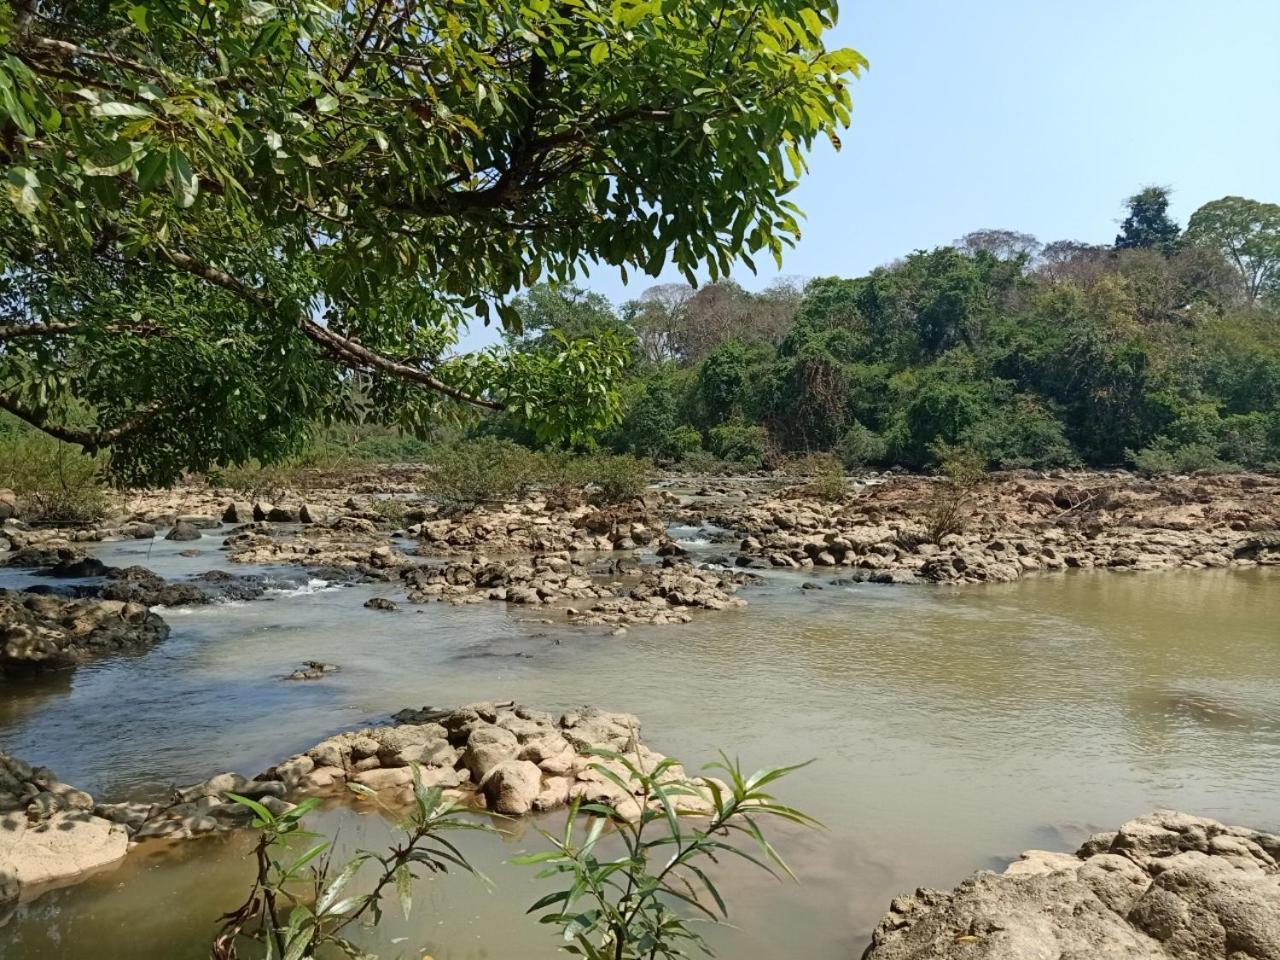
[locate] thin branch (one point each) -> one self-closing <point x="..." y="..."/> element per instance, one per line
<point x="63" y="49"/>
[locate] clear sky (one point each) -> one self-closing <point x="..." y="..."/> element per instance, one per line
<point x="1035" y="115"/>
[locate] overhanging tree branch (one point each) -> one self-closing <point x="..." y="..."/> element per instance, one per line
<point x="91" y="440"/>
<point x="337" y="347"/>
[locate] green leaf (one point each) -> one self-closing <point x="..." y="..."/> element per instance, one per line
<point x="117" y="109"/>
<point x="599" y="52"/>
<point x="327" y="103"/>
<point x="404" y="888"/>
<point x="24" y="190"/>
<point x="185" y="183"/>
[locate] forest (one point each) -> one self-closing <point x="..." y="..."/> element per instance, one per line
<point x="1160" y="351"/>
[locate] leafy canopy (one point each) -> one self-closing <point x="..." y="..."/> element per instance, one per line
<point x="1247" y="233"/>
<point x="310" y="195"/>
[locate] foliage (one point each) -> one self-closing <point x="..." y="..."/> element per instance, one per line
<point x="825" y="476"/>
<point x="1247" y="233"/>
<point x="304" y="907"/>
<point x="632" y="905"/>
<point x="738" y="442"/>
<point x="861" y="447"/>
<point x="467" y="473"/>
<point x="1148" y="224"/>
<point x="53" y="481"/>
<point x="1163" y="458"/>
<point x="220" y="214"/>
<point x="617" y="478"/>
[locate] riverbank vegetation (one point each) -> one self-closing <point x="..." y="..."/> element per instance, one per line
<point x="1161" y="352"/>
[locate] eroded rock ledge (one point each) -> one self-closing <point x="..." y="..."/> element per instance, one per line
<point x="1169" y="886"/>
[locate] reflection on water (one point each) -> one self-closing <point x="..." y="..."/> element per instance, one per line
<point x="952" y="728"/>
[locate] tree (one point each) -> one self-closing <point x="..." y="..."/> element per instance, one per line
<point x="1148" y="224"/>
<point x="552" y="312"/>
<point x="359" y="178"/>
<point x="1247" y="233"/>
<point x="1002" y="244"/>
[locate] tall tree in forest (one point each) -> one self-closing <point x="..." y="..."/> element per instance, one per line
<point x="1148" y="225"/>
<point x="1247" y="233"/>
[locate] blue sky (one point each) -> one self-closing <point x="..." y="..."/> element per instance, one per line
<point x="1035" y="115"/>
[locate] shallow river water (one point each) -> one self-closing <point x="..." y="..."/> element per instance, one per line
<point x="951" y="728"/>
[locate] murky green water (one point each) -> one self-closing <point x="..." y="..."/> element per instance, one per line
<point x="951" y="728"/>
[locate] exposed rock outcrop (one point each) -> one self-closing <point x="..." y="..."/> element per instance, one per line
<point x="663" y="594"/>
<point x="1169" y="886"/>
<point x="501" y="757"/>
<point x="1014" y="525"/>
<point x="41" y="632"/>
<point x="48" y="832"/>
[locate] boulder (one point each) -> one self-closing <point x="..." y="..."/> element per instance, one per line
<point x="238" y="511"/>
<point x="40" y="632"/>
<point x="488" y="746"/>
<point x="57" y="849"/>
<point x="183" y="531"/>
<point x="512" y="787"/>
<point x="8" y="505"/>
<point x="310" y="513"/>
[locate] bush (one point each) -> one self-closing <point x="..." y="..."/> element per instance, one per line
<point x="826" y="476"/>
<point x="861" y="447"/>
<point x="617" y="478"/>
<point x="468" y="473"/>
<point x="685" y="440"/>
<point x="1183" y="458"/>
<point x="53" y="481"/>
<point x="738" y="442"/>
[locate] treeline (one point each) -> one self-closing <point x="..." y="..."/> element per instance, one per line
<point x="1160" y="351"/>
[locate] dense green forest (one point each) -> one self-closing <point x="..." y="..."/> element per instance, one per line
<point x="1161" y="351"/>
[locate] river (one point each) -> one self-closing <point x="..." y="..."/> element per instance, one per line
<point x="950" y="729"/>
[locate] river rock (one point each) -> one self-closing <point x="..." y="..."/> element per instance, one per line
<point x="238" y="511"/>
<point x="40" y="632"/>
<point x="512" y="787"/>
<point x="184" y="531"/>
<point x="1168" y="886"/>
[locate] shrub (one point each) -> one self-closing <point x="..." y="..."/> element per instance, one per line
<point x="1183" y="458"/>
<point x="303" y="908"/>
<point x="738" y="442"/>
<point x="948" y="510"/>
<point x="617" y="478"/>
<point x="613" y="908"/>
<point x="625" y="907"/>
<point x="561" y="475"/>
<point x="861" y="447"/>
<point x="53" y="481"/>
<point x="468" y="473"/>
<point x="685" y="440"/>
<point x="826" y="476"/>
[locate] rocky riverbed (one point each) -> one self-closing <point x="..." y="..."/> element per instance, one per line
<point x="1169" y="886"/>
<point x="922" y="530"/>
